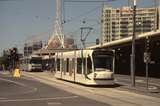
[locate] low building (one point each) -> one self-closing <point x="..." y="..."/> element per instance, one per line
<point x="29" y="48"/>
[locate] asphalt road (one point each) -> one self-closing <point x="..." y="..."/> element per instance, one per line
<point x="26" y="91"/>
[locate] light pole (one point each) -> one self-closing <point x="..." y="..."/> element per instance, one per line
<point x="133" y="46"/>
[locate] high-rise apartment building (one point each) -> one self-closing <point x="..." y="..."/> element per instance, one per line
<point x="118" y="23"/>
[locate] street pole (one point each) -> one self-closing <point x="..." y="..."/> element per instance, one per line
<point x="147" y="60"/>
<point x="133" y="47"/>
<point x="147" y="75"/>
<point x="102" y="22"/>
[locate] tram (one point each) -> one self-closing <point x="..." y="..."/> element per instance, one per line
<point x="31" y="63"/>
<point x="88" y="67"/>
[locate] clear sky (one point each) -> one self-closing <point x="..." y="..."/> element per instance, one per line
<point x="20" y="20"/>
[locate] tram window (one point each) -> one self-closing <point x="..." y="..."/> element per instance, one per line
<point x="63" y="66"/>
<point x="79" y="66"/>
<point x="102" y="62"/>
<point x="84" y="65"/>
<point x="71" y="67"/>
<point x="58" y="64"/>
<point x="89" y="65"/>
<point x="67" y="65"/>
<point x="73" y="64"/>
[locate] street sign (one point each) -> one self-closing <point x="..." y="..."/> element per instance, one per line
<point x="147" y="57"/>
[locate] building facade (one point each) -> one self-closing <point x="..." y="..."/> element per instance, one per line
<point x="29" y="48"/>
<point x="118" y="23"/>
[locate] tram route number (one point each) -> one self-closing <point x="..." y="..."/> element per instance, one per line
<point x="147" y="57"/>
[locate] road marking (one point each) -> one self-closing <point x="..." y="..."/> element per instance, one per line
<point x="54" y="103"/>
<point x="153" y="87"/>
<point x="2" y="98"/>
<point x="17" y="83"/>
<point x="4" y="73"/>
<point x="140" y="81"/>
<point x="20" y="84"/>
<point x="38" y="99"/>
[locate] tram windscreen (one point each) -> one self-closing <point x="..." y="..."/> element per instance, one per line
<point x="102" y="62"/>
<point x="36" y="60"/>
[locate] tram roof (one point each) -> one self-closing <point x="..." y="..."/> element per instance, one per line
<point x="50" y="51"/>
<point x="127" y="39"/>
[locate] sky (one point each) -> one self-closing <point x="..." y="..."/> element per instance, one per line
<point x="24" y="20"/>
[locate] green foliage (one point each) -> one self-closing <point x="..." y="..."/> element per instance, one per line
<point x="4" y="60"/>
<point x="8" y="57"/>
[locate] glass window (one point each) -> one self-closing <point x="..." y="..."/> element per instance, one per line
<point x="102" y="62"/>
<point x="58" y="64"/>
<point x="89" y="65"/>
<point x="73" y="64"/>
<point x="79" y="66"/>
<point x="67" y="65"/>
<point x="36" y="60"/>
<point x="63" y="66"/>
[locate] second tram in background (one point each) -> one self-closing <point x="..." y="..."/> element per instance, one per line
<point x="88" y="67"/>
<point x="31" y="63"/>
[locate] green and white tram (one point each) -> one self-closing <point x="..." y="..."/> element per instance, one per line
<point x="89" y="67"/>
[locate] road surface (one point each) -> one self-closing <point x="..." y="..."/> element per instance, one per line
<point x="26" y="91"/>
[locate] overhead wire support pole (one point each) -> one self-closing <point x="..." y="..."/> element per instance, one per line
<point x="133" y="46"/>
<point x="83" y="39"/>
<point x="102" y="21"/>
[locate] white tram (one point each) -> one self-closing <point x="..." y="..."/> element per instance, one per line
<point x="31" y="63"/>
<point x="89" y="67"/>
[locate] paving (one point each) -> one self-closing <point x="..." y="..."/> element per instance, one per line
<point x="140" y="85"/>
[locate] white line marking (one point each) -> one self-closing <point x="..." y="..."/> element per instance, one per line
<point x="18" y="83"/>
<point x="54" y="103"/>
<point x="3" y="98"/>
<point x="153" y="87"/>
<point x="39" y="99"/>
<point x="140" y="81"/>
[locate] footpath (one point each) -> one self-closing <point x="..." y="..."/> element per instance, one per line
<point x="109" y="95"/>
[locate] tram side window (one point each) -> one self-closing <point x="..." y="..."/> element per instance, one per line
<point x="89" y="65"/>
<point x="67" y="65"/>
<point x="73" y="64"/>
<point x="84" y="65"/>
<point x="79" y="66"/>
<point x="63" y="66"/>
<point x="58" y="64"/>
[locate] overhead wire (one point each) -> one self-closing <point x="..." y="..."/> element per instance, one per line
<point x="81" y="15"/>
